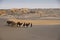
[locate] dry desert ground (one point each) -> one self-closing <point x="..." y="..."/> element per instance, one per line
<point x="41" y="30"/>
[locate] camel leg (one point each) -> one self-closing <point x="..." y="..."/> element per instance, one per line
<point x="17" y="25"/>
<point x="26" y="26"/>
<point x="31" y="25"/>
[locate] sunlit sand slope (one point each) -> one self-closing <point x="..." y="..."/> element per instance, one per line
<point x="39" y="22"/>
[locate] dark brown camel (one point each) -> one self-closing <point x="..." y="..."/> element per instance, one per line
<point x="19" y="24"/>
<point x="11" y="23"/>
<point x="27" y="24"/>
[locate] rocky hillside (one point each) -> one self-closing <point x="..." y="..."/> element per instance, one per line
<point x="31" y="13"/>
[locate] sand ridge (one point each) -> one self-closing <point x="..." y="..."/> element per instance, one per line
<point x="38" y="22"/>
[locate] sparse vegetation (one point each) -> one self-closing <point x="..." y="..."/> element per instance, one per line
<point x="42" y="12"/>
<point x="2" y="12"/>
<point x="39" y="12"/>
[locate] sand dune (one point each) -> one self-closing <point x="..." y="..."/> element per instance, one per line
<point x="39" y="22"/>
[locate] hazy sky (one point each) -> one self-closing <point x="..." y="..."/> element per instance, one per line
<point x="6" y="4"/>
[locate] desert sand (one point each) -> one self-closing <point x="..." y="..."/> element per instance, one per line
<point x="38" y="22"/>
<point x="41" y="30"/>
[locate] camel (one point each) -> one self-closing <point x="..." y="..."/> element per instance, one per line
<point x="19" y="24"/>
<point x="12" y="23"/>
<point x="27" y="24"/>
<point x="24" y="24"/>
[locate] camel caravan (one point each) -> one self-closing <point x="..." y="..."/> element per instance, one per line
<point x="19" y="24"/>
